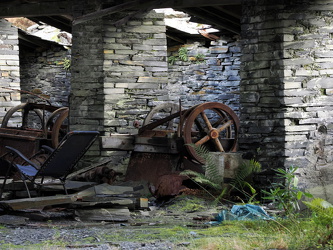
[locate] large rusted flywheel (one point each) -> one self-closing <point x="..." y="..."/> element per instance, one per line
<point x="212" y="125"/>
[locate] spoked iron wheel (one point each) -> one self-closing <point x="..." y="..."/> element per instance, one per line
<point x="212" y="125"/>
<point x="166" y="109"/>
<point x="56" y="124"/>
<point x="52" y="120"/>
<point x="24" y="108"/>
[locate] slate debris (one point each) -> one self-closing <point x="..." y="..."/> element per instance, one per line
<point x="101" y="202"/>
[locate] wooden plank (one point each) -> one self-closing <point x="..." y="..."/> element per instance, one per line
<point x="109" y="199"/>
<point x="156" y="145"/>
<point x="38" y="202"/>
<point x="112" y="201"/>
<point x="118" y="142"/>
<point x="106" y="202"/>
<point x="70" y="185"/>
<point x="104" y="214"/>
<point x="103" y="189"/>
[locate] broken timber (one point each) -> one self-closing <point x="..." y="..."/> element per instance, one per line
<point x="104" y="214"/>
<point x="102" y="195"/>
<point x="140" y="143"/>
<point x="39" y="202"/>
<point x="106" y="195"/>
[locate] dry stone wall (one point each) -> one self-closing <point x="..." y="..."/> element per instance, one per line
<point x="86" y="101"/>
<point x="119" y="73"/>
<point x="136" y="70"/>
<point x="9" y="70"/>
<point x="286" y="87"/>
<point x="216" y="79"/>
<point x="43" y="72"/>
<point x="138" y="76"/>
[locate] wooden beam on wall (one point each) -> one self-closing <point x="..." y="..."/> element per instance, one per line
<point x="107" y="11"/>
<point x="42" y="8"/>
<point x="177" y="39"/>
<point x="140" y="5"/>
<point x="198" y="3"/>
<point x="219" y="23"/>
<point x="31" y="40"/>
<point x="62" y="24"/>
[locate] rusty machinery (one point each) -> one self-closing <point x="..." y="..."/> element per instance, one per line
<point x="162" y="145"/>
<point x="49" y="127"/>
<point x="165" y="145"/>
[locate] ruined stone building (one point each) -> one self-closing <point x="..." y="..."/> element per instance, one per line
<point x="272" y="63"/>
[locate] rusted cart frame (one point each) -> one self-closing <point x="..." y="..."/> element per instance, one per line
<point x="29" y="140"/>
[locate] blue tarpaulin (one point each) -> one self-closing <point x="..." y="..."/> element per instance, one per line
<point x="242" y="212"/>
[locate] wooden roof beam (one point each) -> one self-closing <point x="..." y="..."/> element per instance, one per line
<point x="198" y="3"/>
<point x="62" y="24"/>
<point x="151" y="4"/>
<point x="220" y="24"/>
<point x="107" y="11"/>
<point x="37" y="41"/>
<point x="210" y="12"/>
<point x="29" y="9"/>
<point x="177" y="39"/>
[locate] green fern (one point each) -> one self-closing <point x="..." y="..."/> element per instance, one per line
<point x="211" y="170"/>
<point x="243" y="172"/>
<point x="182" y="53"/>
<point x="202" y="179"/>
<point x="212" y="177"/>
<point x="242" y="178"/>
<point x="172" y="60"/>
<point x="323" y="210"/>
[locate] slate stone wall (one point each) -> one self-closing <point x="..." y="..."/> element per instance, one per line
<point x="216" y="79"/>
<point x="138" y="76"/>
<point x="120" y="73"/>
<point x="9" y="71"/>
<point x="43" y="72"/>
<point x="136" y="70"/>
<point x="86" y="101"/>
<point x="286" y="86"/>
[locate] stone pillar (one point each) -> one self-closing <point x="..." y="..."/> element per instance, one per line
<point x="116" y="72"/>
<point x="9" y="71"/>
<point x="86" y="101"/>
<point x="286" y="87"/>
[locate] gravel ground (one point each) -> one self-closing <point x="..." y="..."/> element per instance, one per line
<point x="25" y="236"/>
<point x="76" y="235"/>
<point x="18" y="232"/>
